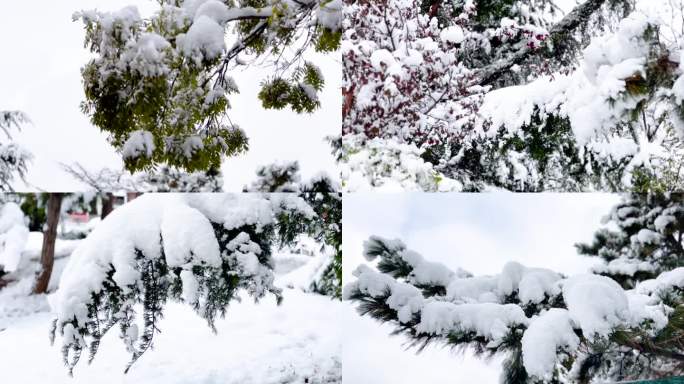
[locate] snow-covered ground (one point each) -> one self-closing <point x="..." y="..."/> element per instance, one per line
<point x="296" y="342"/>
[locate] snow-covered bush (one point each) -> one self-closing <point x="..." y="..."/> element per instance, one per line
<point x="388" y="165"/>
<point x="161" y="179"/>
<point x="285" y="177"/>
<point x="517" y="95"/>
<point x="200" y="249"/>
<point x="14" y="159"/>
<point x="13" y="236"/>
<point x="159" y="85"/>
<point x="550" y="327"/>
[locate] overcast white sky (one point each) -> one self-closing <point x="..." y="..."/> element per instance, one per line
<point x="478" y="232"/>
<point x="42" y="53"/>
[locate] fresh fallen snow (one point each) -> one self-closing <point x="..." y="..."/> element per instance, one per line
<point x="546" y="334"/>
<point x="311" y="269"/>
<point x="453" y="34"/>
<point x="260" y="344"/>
<point x="205" y="36"/>
<point x="15" y="299"/>
<point x="490" y="320"/>
<point x="623" y="267"/>
<point x="597" y="304"/>
<point x="139" y="143"/>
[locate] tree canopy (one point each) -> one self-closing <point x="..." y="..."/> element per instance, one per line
<point x="159" y="85"/>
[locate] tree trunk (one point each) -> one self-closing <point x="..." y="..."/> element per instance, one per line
<point x="47" y="256"/>
<point x="107" y="205"/>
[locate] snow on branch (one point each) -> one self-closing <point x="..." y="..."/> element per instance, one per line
<point x="201" y="249"/>
<point x="577" y="18"/>
<point x="543" y="319"/>
<point x="159" y="86"/>
<point x="285" y="177"/>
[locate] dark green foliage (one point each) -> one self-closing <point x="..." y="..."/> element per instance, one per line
<point x="328" y="40"/>
<point x="298" y="92"/>
<point x="513" y="370"/>
<point x="327" y="228"/>
<point x="33" y="206"/>
<point x="491" y="11"/>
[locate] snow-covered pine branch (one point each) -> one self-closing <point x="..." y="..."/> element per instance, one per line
<point x="14" y="159"/>
<point x="159" y="85"/>
<point x="622" y="105"/>
<point x="644" y="238"/>
<point x="322" y="194"/>
<point x="326" y="228"/>
<point x="550" y="327"/>
<point x="201" y="249"/>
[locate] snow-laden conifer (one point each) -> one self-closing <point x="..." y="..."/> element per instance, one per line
<point x="551" y="328"/>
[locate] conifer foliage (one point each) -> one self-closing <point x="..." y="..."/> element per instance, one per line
<point x="551" y="328"/>
<point x="647" y="241"/>
<point x="199" y="249"/>
<point x="322" y="194"/>
<point x="158" y="86"/>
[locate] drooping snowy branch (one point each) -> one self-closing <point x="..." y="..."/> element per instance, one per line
<point x="201" y="249"/>
<point x="551" y="327"/>
<point x="322" y="194"/>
